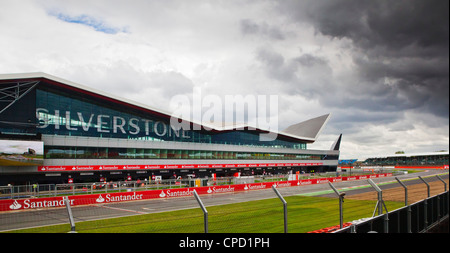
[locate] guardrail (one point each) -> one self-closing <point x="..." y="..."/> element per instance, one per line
<point x="160" y="192"/>
<point x="54" y="190"/>
<point x="418" y="217"/>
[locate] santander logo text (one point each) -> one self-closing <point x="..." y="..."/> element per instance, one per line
<point x="118" y="198"/>
<point x="176" y="193"/>
<point x="38" y="203"/>
<point x="219" y="190"/>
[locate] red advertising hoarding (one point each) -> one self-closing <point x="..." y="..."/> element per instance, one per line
<point x="164" y="166"/>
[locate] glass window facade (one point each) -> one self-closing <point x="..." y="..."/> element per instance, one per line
<point x="71" y="115"/>
<point x="68" y="152"/>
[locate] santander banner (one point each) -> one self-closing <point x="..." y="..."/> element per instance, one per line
<point x="165" y="166"/>
<point x="91" y="199"/>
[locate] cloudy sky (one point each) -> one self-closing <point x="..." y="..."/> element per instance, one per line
<point x="381" y="68"/>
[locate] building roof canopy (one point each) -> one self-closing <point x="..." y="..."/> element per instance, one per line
<point x="306" y="131"/>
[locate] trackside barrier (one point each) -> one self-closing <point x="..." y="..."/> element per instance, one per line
<point x="55" y="190"/>
<point x="33" y="203"/>
<point x="284" y="207"/>
<point x="423" y="218"/>
<point x="205" y="212"/>
<point x="341" y="201"/>
<point x="331" y="229"/>
<point x="69" y="212"/>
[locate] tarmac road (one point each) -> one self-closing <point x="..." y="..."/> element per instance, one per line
<point x="36" y="218"/>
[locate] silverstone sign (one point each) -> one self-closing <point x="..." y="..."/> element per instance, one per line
<point x="103" y="123"/>
<point x="252" y="111"/>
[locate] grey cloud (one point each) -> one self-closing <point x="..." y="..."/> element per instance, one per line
<point x="275" y="65"/>
<point x="310" y="60"/>
<point x="288" y="70"/>
<point x="369" y="23"/>
<point x="249" y="27"/>
<point x="402" y="41"/>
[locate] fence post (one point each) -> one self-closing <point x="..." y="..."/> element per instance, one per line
<point x="406" y="190"/>
<point x="386" y="222"/>
<point x="428" y="186"/>
<point x="380" y="202"/>
<point x="69" y="211"/>
<point x="353" y="229"/>
<point x="341" y="200"/>
<point x="205" y="212"/>
<point x="445" y="198"/>
<point x="284" y="207"/>
<point x="425" y="209"/>
<point x="408" y="217"/>
<point x="445" y="184"/>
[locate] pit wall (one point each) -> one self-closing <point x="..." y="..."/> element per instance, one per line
<point x="103" y="198"/>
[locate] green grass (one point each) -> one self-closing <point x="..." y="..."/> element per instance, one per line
<point x="263" y="216"/>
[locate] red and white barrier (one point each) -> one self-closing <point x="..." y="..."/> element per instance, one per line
<point x="164" y="166"/>
<point x="76" y="200"/>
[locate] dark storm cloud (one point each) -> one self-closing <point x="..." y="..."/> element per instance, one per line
<point x="401" y="46"/>
<point x="294" y="74"/>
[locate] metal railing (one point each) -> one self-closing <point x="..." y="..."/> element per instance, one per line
<point x="53" y="190"/>
<point x="418" y="217"/>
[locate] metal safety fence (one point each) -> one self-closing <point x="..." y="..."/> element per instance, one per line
<point x="419" y="217"/>
<point x="66" y="189"/>
<point x="278" y="210"/>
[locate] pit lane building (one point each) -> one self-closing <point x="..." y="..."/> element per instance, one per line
<point x="86" y="134"/>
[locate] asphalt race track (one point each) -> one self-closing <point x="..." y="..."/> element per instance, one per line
<point x="36" y="218"/>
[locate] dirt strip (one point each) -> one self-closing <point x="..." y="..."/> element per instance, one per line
<point x="416" y="192"/>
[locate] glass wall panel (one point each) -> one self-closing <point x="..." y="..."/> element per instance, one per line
<point x="71" y="114"/>
<point x="163" y="154"/>
<point x="148" y="154"/>
<point x="102" y="153"/>
<point x="113" y="153"/>
<point x="156" y="153"/>
<point x="131" y="153"/>
<point x="122" y="153"/>
<point x="53" y="152"/>
<point x="196" y="154"/>
<point x="69" y="152"/>
<point x="177" y="154"/>
<point x="170" y="154"/>
<point x="140" y="153"/>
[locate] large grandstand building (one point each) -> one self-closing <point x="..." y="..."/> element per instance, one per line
<point x="425" y="160"/>
<point x="413" y="160"/>
<point x="73" y="133"/>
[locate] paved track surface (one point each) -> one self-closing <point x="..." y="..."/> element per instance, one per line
<point x="36" y="218"/>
